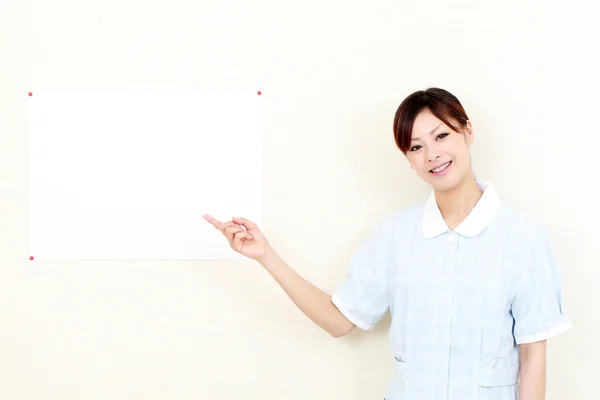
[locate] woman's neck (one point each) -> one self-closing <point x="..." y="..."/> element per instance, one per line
<point x="456" y="204"/>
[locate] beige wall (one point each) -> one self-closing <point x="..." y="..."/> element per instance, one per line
<point x="332" y="74"/>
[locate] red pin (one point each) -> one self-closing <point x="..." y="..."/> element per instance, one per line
<point x="259" y="92"/>
<point x="30" y="94"/>
<point x="31" y="258"/>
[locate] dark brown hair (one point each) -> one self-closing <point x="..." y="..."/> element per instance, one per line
<point x="440" y="102"/>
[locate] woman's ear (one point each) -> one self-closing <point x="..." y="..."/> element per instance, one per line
<point x="469" y="133"/>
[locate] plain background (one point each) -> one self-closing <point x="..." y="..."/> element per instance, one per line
<point x="332" y="74"/>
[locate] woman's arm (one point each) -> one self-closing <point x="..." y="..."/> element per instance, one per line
<point x="312" y="301"/>
<point x="246" y="238"/>
<point x="533" y="371"/>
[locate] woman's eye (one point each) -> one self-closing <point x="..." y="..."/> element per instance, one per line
<point x="442" y="135"/>
<point x="415" y="148"/>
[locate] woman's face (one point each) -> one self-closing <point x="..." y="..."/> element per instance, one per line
<point x="439" y="155"/>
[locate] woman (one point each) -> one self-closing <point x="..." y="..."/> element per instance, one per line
<point x="472" y="284"/>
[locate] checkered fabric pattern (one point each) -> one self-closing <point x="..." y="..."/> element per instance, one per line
<point x="461" y="301"/>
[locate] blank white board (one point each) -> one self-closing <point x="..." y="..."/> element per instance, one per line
<point x="128" y="175"/>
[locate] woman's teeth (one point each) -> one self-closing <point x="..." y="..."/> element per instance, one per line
<point x="441" y="168"/>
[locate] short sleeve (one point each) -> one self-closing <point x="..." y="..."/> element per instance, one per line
<point x="363" y="297"/>
<point x="537" y="308"/>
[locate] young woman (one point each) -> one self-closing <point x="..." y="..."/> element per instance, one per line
<point x="472" y="284"/>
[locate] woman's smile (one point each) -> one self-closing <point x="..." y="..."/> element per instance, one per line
<point x="441" y="169"/>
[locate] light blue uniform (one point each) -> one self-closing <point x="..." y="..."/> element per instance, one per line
<point x="461" y="301"/>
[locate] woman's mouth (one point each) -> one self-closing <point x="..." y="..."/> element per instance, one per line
<point x="441" y="170"/>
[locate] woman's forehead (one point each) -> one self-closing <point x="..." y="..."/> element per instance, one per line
<point x="426" y="124"/>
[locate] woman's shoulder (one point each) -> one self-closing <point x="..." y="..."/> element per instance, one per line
<point x="391" y="227"/>
<point x="401" y="221"/>
<point x="519" y="222"/>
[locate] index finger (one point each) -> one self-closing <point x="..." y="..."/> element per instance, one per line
<point x="212" y="220"/>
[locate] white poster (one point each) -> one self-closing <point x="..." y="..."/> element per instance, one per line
<point x="128" y="175"/>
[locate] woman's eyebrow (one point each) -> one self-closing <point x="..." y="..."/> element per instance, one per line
<point x="431" y="133"/>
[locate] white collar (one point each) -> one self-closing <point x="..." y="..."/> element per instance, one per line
<point x="477" y="220"/>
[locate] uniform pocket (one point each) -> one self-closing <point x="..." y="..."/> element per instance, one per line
<point x="498" y="383"/>
<point x="492" y="377"/>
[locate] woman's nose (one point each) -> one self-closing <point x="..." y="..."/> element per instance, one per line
<point x="433" y="155"/>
